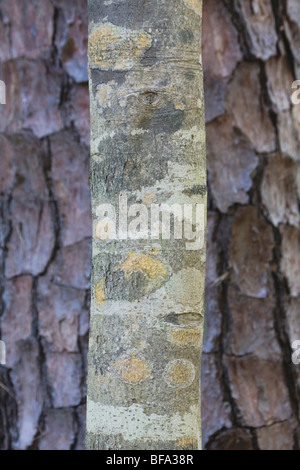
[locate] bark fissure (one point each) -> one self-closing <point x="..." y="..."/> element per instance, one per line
<point x="148" y="141"/>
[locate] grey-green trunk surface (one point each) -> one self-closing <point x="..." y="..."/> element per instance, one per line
<point x="147" y="147"/>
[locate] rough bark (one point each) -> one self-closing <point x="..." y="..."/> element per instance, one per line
<point x="45" y="223"/>
<point x="148" y="143"/>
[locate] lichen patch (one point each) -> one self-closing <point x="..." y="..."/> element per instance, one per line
<point x="179" y="373"/>
<point x="100" y="293"/>
<point x="104" y="94"/>
<point x="187" y="443"/>
<point x="141" y="263"/>
<point x="114" y="48"/>
<point x="185" y="337"/>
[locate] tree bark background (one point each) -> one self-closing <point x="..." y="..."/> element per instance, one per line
<point x="250" y="388"/>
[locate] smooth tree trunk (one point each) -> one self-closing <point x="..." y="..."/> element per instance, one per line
<point x="148" y="183"/>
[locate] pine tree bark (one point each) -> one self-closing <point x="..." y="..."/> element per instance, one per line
<point x="251" y="388"/>
<point x="147" y="145"/>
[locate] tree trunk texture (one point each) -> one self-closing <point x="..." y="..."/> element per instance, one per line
<point x="250" y="389"/>
<point x="148" y="145"/>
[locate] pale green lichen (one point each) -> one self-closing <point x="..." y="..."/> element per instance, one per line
<point x="2" y="353"/>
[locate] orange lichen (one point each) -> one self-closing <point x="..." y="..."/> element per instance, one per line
<point x="185" y="337"/>
<point x="139" y="262"/>
<point x="114" y="48"/>
<point x="100" y="293"/>
<point x="133" y="369"/>
<point x="178" y="105"/>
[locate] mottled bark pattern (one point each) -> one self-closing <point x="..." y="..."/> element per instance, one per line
<point x="45" y="223"/>
<point x="148" y="142"/>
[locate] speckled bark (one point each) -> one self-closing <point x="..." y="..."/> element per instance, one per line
<point x="250" y="388"/>
<point x="148" y="143"/>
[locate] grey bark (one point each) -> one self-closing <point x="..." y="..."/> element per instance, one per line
<point x="148" y="144"/>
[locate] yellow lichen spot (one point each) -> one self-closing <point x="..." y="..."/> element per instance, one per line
<point x="185" y="337"/>
<point x="154" y="251"/>
<point x="133" y="369"/>
<point x="114" y="48"/>
<point x="187" y="443"/>
<point x="179" y="373"/>
<point x="104" y="92"/>
<point x="195" y="5"/>
<point x="140" y="263"/>
<point x="100" y="293"/>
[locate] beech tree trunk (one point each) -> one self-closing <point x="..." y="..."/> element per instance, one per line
<point x="147" y="147"/>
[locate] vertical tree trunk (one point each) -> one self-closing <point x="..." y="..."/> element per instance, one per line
<point x="2" y="353"/>
<point x="147" y="149"/>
